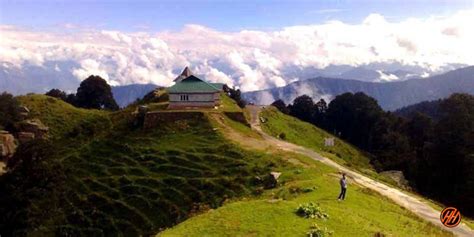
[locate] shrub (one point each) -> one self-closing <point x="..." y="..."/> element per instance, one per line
<point x="302" y="190"/>
<point x="316" y="231"/>
<point x="308" y="189"/>
<point x="311" y="210"/>
<point x="9" y="111"/>
<point x="282" y="136"/>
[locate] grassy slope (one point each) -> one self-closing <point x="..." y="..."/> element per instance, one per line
<point x="310" y="136"/>
<point x="364" y="213"/>
<point x="62" y="118"/>
<point x="307" y="135"/>
<point x="135" y="182"/>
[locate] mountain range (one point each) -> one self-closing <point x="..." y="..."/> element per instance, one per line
<point x="124" y="95"/>
<point x="390" y="95"/>
<point x="394" y="85"/>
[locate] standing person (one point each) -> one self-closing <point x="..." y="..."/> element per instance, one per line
<point x="343" y="183"/>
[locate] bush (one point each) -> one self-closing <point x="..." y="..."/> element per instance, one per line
<point x="9" y="111"/>
<point x="316" y="231"/>
<point x="282" y="136"/>
<point x="311" y="210"/>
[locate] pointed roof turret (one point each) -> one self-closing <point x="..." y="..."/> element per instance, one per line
<point x="186" y="73"/>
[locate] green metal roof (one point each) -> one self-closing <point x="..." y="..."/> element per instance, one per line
<point x="193" y="84"/>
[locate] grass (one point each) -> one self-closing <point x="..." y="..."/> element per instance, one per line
<point x="124" y="181"/>
<point x="62" y="118"/>
<point x="228" y="104"/>
<point x="364" y="213"/>
<point x="310" y="136"/>
<point x="130" y="182"/>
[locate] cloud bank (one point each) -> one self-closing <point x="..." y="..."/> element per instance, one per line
<point x="248" y="59"/>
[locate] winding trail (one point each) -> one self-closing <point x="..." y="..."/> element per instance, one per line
<point x="407" y="201"/>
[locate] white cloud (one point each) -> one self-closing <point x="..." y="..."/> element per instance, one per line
<point x="248" y="59"/>
<point x="387" y="77"/>
<point x="91" y="67"/>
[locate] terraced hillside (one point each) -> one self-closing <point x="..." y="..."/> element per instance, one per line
<point x="125" y="181"/>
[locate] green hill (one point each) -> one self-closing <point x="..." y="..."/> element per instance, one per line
<point x="303" y="180"/>
<point x="119" y="180"/>
<point x="363" y="213"/>
<point x="133" y="181"/>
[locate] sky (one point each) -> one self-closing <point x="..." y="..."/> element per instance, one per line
<point x="220" y="15"/>
<point x="249" y="44"/>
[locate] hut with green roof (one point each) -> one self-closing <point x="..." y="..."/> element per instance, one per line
<point x="190" y="91"/>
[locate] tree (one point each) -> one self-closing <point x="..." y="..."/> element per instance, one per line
<point x="95" y="93"/>
<point x="389" y="145"/>
<point x="56" y="93"/>
<point x="280" y="105"/>
<point x="353" y="116"/>
<point x="9" y="111"/>
<point x="302" y="108"/>
<point x="235" y="94"/>
<point x="71" y="99"/>
<point x="452" y="160"/>
<point x="319" y="116"/>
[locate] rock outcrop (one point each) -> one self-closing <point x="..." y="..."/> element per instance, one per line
<point x="25" y="136"/>
<point x="32" y="126"/>
<point x="271" y="181"/>
<point x="24" y="112"/>
<point x="7" y="145"/>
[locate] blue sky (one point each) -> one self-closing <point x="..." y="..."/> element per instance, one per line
<point x="220" y="15"/>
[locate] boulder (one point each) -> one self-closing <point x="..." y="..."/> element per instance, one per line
<point x="24" y="112"/>
<point x="7" y="144"/>
<point x="142" y="109"/>
<point x="398" y="177"/>
<point x="24" y="109"/>
<point x="34" y="126"/>
<point x="271" y="181"/>
<point x="25" y="136"/>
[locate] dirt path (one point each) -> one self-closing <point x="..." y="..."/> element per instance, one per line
<point x="407" y="201"/>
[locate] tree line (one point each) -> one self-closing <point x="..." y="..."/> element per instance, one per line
<point x="435" y="154"/>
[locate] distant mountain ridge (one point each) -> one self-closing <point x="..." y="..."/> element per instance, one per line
<point x="429" y="108"/>
<point x="124" y="95"/>
<point x="390" y="95"/>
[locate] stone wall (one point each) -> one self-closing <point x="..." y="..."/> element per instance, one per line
<point x="190" y="104"/>
<point x="154" y="119"/>
<point x="238" y="117"/>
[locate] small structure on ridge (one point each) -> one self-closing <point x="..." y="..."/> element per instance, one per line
<point x="190" y="91"/>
